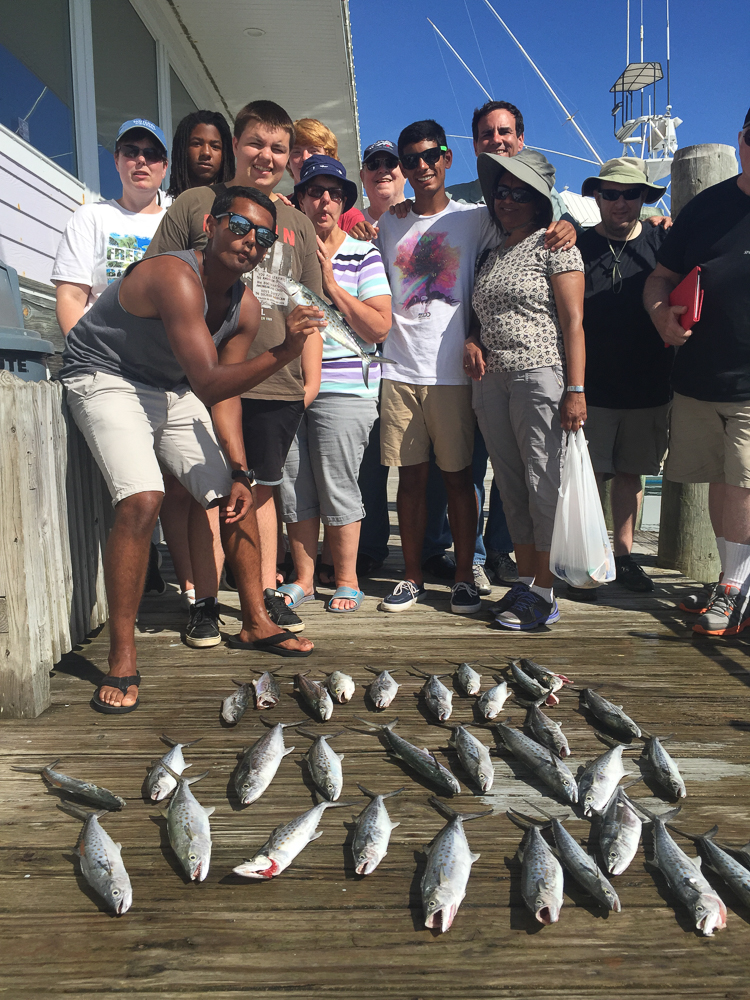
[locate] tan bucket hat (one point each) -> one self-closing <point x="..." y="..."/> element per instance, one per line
<point x="624" y="170"/>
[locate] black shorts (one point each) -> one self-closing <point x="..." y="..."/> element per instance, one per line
<point x="268" y="427"/>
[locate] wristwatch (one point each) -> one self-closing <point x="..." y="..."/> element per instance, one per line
<point x="244" y="474"/>
<point x="574" y="388"/>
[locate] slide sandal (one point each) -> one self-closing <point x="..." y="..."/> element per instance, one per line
<point x="346" y="594"/>
<point x="296" y="593"/>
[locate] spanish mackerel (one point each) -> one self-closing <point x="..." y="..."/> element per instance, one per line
<point x="541" y="874"/>
<point x="325" y="765"/>
<point x="87" y="791"/>
<point x="372" y="832"/>
<point x="316" y="695"/>
<point x="267" y="690"/>
<point x="383" y="689"/>
<point x="474" y="757"/>
<point x="423" y="761"/>
<point x="541" y="762"/>
<point x="532" y="687"/>
<point x="611" y="715"/>
<point x="341" y="686"/>
<point x="189" y="829"/>
<point x="259" y="764"/>
<point x="545" y="730"/>
<point x="234" y="706"/>
<point x="468" y="679"/>
<point x="490" y="704"/>
<point x="665" y="771"/>
<point x="599" y="779"/>
<point x="100" y="859"/>
<point x="160" y="782"/>
<point x="437" y="697"/>
<point x="547" y="677"/>
<point x="736" y="876"/>
<point x="619" y="831"/>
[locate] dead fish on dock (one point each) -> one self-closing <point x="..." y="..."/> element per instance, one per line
<point x="490" y="704"/>
<point x="736" y="876"/>
<point x="438" y="698"/>
<point x="383" y="689"/>
<point x="531" y="686"/>
<point x="315" y="695"/>
<point x="235" y="705"/>
<point x="619" y="831"/>
<point x="449" y="861"/>
<point x="468" y="679"/>
<point x="541" y="873"/>
<point x="540" y="762"/>
<point x="341" y="686"/>
<point x="372" y="832"/>
<point x="189" y="829"/>
<point x="599" y="779"/>
<point x="267" y="690"/>
<point x="259" y="764"/>
<point x="325" y="765"/>
<point x="100" y="859"/>
<point x="611" y="715"/>
<point x="474" y="757"/>
<point x="665" y="771"/>
<point x="544" y="730"/>
<point x="87" y="791"/>
<point x="546" y="677"/>
<point x="160" y="783"/>
<point x="286" y="842"/>
<point x="423" y="761"/>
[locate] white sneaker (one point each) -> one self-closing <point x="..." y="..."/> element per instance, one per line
<point x="481" y="580"/>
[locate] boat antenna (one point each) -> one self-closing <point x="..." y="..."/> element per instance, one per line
<point x="627" y="38"/>
<point x="481" y="87"/>
<point x="669" y="102"/>
<point x="538" y="72"/>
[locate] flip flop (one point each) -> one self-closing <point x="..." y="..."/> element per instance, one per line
<point x="296" y="593"/>
<point x="122" y="683"/>
<point x="346" y="594"/>
<point x="269" y="645"/>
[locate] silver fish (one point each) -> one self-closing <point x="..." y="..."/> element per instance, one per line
<point x="100" y="859"/>
<point x="449" y="861"/>
<point x="611" y="715"/>
<point x="619" y="832"/>
<point x="267" y="690"/>
<point x="474" y="757"/>
<point x="383" y="689"/>
<point x="438" y="698"/>
<point x="316" y="695"/>
<point x="546" y="677"/>
<point x="468" y="679"/>
<point x="532" y="686"/>
<point x="159" y="782"/>
<point x="233" y="707"/>
<point x="599" y="780"/>
<point x="189" y="829"/>
<point x="541" y="762"/>
<point x="259" y="764"/>
<point x="325" y="765"/>
<point x="336" y="326"/>
<point x="541" y="874"/>
<point x="685" y="878"/>
<point x="87" y="791"/>
<point x="490" y="704"/>
<point x="545" y="730"/>
<point x="341" y="686"/>
<point x="422" y="761"/>
<point x="286" y="842"/>
<point x="372" y="832"/>
<point x="736" y="876"/>
<point x="664" y="768"/>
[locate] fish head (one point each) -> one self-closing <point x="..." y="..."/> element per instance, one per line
<point x="197" y="858"/>
<point x="610" y="897"/>
<point x="161" y="788"/>
<point x="485" y="779"/>
<point x="119" y="895"/>
<point x="710" y="914"/>
<point x="331" y="790"/>
<point x="366" y="861"/>
<point x="615" y="864"/>
<point x="589" y="801"/>
<point x="293" y="289"/>
<point x="546" y="905"/>
<point x="250" y="790"/>
<point x="568" y="786"/>
<point x="324" y="707"/>
<point x="259" y="867"/>
<point x="440" y="910"/>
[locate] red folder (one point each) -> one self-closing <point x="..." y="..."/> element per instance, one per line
<point x="690" y="294"/>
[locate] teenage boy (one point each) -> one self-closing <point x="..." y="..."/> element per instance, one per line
<point x="140" y="369"/>
<point x="271" y="411"/>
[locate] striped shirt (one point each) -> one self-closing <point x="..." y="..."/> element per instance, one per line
<point x="358" y="269"/>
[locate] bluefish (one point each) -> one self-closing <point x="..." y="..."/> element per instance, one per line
<point x="325" y="765"/>
<point x="341" y="686"/>
<point x="438" y="698"/>
<point x="316" y="695"/>
<point x="611" y="715"/>
<point x="259" y="764"/>
<point x="267" y="690"/>
<point x="468" y="679"/>
<point x="490" y="704"/>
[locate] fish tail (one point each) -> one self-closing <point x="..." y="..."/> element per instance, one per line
<point x="386" y="725"/>
<point x="695" y="837"/>
<point x="444" y="809"/>
<point x="543" y="812"/>
<point x="666" y="815"/>
<point x="38" y="770"/>
<point x="524" y="822"/>
<point x="79" y="812"/>
<point x="366" y="371"/>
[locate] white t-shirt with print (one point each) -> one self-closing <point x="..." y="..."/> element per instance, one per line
<point x="369" y="218"/>
<point x="100" y="241"/>
<point x="430" y="262"/>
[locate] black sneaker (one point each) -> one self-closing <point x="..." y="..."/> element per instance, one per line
<point x="443" y="567"/>
<point x="280" y="613"/>
<point x="154" y="579"/>
<point x="203" y="627"/>
<point x="465" y="598"/>
<point x="505" y="602"/>
<point x="632" y="576"/>
<point x="584" y="595"/>
<point x="528" y="611"/>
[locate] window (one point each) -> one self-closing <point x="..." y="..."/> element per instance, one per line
<point x="124" y="79"/>
<point x="182" y="103"/>
<point x="36" y="87"/>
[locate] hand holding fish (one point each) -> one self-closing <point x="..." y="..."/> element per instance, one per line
<point x="301" y="322"/>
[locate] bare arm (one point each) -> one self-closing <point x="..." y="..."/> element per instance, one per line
<point x="474" y="364"/>
<point x="312" y="359"/>
<point x="227" y="414"/>
<point x="70" y="303"/>
<point x="371" y="320"/>
<point x="659" y="286"/>
<point x="568" y="289"/>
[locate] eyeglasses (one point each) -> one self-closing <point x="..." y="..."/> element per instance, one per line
<point x="632" y="194"/>
<point x="410" y="161"/>
<point x="316" y="191"/>
<point x="376" y="162"/>
<point x="149" y="153"/>
<point x="241" y="226"/>
<point x="521" y="196"/>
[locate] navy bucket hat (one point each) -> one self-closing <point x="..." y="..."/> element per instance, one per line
<point x="326" y="166"/>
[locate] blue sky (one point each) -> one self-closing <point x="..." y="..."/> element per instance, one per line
<point x="404" y="72"/>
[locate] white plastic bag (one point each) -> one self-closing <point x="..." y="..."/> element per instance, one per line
<point x="580" y="553"/>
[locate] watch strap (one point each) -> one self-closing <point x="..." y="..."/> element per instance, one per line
<point x="574" y="388"/>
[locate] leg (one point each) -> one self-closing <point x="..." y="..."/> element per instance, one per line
<point x="266" y="512"/>
<point x="437" y="537"/>
<point x="373" y="485"/>
<point x="478" y="473"/>
<point x="174" y="521"/>
<point x="626" y="498"/>
<point x="716" y="500"/>
<point x="412" y="516"/>
<point x="526" y="560"/>
<point x="462" y="513"/>
<point x="206" y="552"/>
<point x="300" y="509"/>
<point x="735" y="516"/>
<point x="303" y="542"/>
<point x="344" y="539"/>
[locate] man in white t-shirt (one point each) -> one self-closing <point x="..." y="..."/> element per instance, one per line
<point x="429" y="257"/>
<point x="382" y="179"/>
<point x="100" y="240"/>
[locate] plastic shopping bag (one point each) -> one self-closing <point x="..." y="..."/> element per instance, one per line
<point x="580" y="553"/>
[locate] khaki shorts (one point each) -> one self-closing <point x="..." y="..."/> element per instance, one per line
<point x="131" y="428"/>
<point x="708" y="442"/>
<point x="631" y="441"/>
<point x="413" y="416"/>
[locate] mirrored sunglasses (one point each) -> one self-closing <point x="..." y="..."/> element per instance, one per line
<point x="241" y="226"/>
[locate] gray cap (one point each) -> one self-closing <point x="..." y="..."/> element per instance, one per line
<point x="529" y="166"/>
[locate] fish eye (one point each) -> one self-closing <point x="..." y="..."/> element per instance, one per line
<point x="192" y="857"/>
<point x="432" y="904"/>
<point x="115" y="892"/>
<point x="700" y="909"/>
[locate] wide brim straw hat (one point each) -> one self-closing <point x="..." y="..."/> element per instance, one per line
<point x="529" y="166"/>
<point x="624" y="170"/>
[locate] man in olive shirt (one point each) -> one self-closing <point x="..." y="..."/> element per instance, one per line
<point x="271" y="412"/>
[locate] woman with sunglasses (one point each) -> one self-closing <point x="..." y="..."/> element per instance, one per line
<point x="320" y="474"/>
<point x="526" y="355"/>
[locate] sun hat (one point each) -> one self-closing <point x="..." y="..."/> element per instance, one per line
<point x="623" y="170"/>
<point x="143" y="123"/>
<point x="529" y="166"/>
<point x="381" y="146"/>
<point x="325" y="166"/>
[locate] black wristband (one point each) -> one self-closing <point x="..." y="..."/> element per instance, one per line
<point x="244" y="474"/>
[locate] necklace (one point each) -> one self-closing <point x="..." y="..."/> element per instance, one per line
<point x="615" y="271"/>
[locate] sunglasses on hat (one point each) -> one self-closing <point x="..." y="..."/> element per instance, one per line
<point x="387" y="162"/>
<point x="410" y="161"/>
<point x="630" y="195"/>
<point x="241" y="226"/>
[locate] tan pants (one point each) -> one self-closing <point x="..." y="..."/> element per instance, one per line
<point x="413" y="416"/>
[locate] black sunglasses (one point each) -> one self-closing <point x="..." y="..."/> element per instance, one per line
<point x="376" y="162"/>
<point x="315" y="191"/>
<point x="241" y="226"/>
<point x="630" y="195"/>
<point x="410" y="161"/>
<point x="149" y="153"/>
<point x="521" y="196"/>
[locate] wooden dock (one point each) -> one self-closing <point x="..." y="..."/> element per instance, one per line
<point x="318" y="930"/>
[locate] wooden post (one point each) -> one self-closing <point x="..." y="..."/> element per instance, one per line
<point x="686" y="538"/>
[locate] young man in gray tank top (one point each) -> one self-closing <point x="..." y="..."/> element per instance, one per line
<point x="140" y="368"/>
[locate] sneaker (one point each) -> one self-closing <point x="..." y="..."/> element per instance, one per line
<point x="698" y="604"/>
<point x="203" y="626"/>
<point x="443" y="567"/>
<point x="584" y="595"/>
<point x="154" y="579"/>
<point x="632" y="576"/>
<point x="465" y="598"/>
<point x="280" y="613"/>
<point x="403" y="596"/>
<point x="510" y="597"/>
<point x="726" y="615"/>
<point x="528" y="611"/>
<point x="502" y="568"/>
<point x="481" y="580"/>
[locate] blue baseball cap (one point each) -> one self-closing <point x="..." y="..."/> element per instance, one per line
<point x="381" y="146"/>
<point x="143" y="123"/>
<point x="326" y="166"/>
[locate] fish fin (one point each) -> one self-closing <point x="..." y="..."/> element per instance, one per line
<point x="474" y="857"/>
<point x="394" y="825"/>
<point x="540" y="884"/>
<point x="386" y="361"/>
<point x="545" y="813"/>
<point x="389" y="795"/>
<point x="386" y="725"/>
<point x="528" y="820"/>
<point x="651" y="862"/>
<point x="340" y="756"/>
<point x="443" y="877"/>
<point x="666" y="815"/>
<point x="609" y="741"/>
<point x="209" y="810"/>
<point x="37" y="770"/>
<point x="168" y="740"/>
<point x="310" y="736"/>
<point x="367" y="792"/>
<point x="287" y="751"/>
<point x="190" y="781"/>
<point x="629" y="784"/>
<point x="73" y="810"/>
<point x="118" y="845"/>
<point x="316" y="835"/>
<point x="366" y="371"/>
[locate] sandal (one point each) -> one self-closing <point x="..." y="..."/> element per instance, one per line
<point x="327" y="570"/>
<point x="346" y="594"/>
<point x="122" y="684"/>
<point x="269" y="645"/>
<point x="297" y="594"/>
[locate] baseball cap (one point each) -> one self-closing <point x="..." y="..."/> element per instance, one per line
<point x="143" y="123"/>
<point x="326" y="166"/>
<point x="381" y="146"/>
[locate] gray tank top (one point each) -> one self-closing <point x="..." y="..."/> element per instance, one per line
<point x="109" y="339"/>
